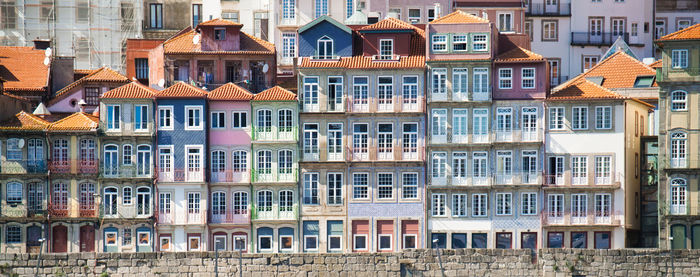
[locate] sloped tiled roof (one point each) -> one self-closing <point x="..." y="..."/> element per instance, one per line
<point x="389" y="24"/>
<point x="250" y="45"/>
<point x="181" y="90"/>
<point x="25" y="121"/>
<point x="519" y="54"/>
<point x="231" y="92"/>
<point x="103" y="74"/>
<point x="690" y="33"/>
<point x="583" y="89"/>
<point x="275" y="93"/>
<point x="131" y="90"/>
<point x="459" y="17"/>
<point x="325" y="18"/>
<point x="618" y="71"/>
<point x="79" y="121"/>
<point x="656" y="64"/>
<point x="23" y="69"/>
<point x="219" y="22"/>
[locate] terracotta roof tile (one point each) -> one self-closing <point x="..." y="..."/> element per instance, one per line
<point x="250" y="45"/>
<point x="583" y="89"/>
<point x="618" y="71"/>
<point x="181" y="90"/>
<point x="459" y="17"/>
<point x="219" y="22"/>
<point x="389" y="24"/>
<point x="131" y="90"/>
<point x="83" y="71"/>
<point x="519" y="54"/>
<point x="656" y="64"/>
<point x="692" y="32"/>
<point x="230" y="91"/>
<point x="103" y="74"/>
<point x="79" y="121"/>
<point x="25" y="121"/>
<point x="23" y="69"/>
<point x="275" y="93"/>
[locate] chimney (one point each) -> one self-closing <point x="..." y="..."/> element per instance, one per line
<point x="437" y="10"/>
<point x="42" y="44"/>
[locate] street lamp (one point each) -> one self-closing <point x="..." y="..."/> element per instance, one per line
<point x="673" y="271"/>
<point x="240" y="255"/>
<point x="38" y="258"/>
<point x="437" y="249"/>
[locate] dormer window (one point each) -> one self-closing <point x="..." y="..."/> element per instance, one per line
<point x="325" y="48"/>
<point x="220" y="34"/>
<point x="439" y="43"/>
<point x="386" y="49"/>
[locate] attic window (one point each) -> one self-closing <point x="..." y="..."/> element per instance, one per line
<point x="643" y="81"/>
<point x="219" y="34"/>
<point x="598" y="80"/>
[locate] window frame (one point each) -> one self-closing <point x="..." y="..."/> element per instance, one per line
<point x="438" y="43"/>
<point x="502" y="79"/>
<point x="200" y="123"/>
<point x="220" y="119"/>
<point x="169" y="118"/>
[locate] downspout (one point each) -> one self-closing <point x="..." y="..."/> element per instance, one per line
<point x="544" y="171"/>
<point x="155" y="179"/>
<point x="48" y="186"/>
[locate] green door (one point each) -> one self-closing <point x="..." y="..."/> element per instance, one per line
<point x="679" y="237"/>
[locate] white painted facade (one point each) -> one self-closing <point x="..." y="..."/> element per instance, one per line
<point x="181" y="224"/>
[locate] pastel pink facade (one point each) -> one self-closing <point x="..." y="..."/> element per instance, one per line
<point x="228" y="136"/>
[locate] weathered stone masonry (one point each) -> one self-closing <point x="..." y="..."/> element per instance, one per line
<point x="467" y="262"/>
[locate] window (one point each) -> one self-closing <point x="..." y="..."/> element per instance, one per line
<point x="550" y="31"/>
<point x="110" y="201"/>
<point x="335" y="94"/>
<point x="635" y="29"/>
<point x="480" y="167"/>
<point x="193" y="243"/>
<point x="603" y="204"/>
<point x="360" y="141"/>
<point x="679" y="58"/>
<point x="14" y="193"/>
<point x="86" y="199"/>
<point x="285" y="120"/>
<point x="126" y="195"/>
<point x="385" y="94"/>
<point x="311" y="243"/>
<point x="409" y="185"/>
<point x="60" y="151"/>
<point x="603" y="169"/>
<point x="384" y="242"/>
<point x="459" y="205"/>
<point x="360" y="185"/>
<point x="284" y="161"/>
<point x="325" y="48"/>
<point x="678" y="196"/>
<point x="196" y="15"/>
<point x="164" y="202"/>
<point x="431" y="15"/>
<point x="286" y="242"/>
<point x="286" y="201"/>
<point x="479" y="43"/>
<point x="580" y="118"/>
<point x="679" y="142"/>
<point x="459" y="240"/>
<point x="555" y="205"/>
<point x="439" y="43"/>
<point x="556" y="118"/>
<point x="126" y="236"/>
<point x="265" y="243"/>
<point x="239" y="120"/>
<point x="349" y="8"/>
<point x="479" y="204"/>
<point x="414" y="16"/>
<point x="555" y="239"/>
<point x="480" y="81"/>
<point x="165" y="118"/>
<point x="335" y="188"/>
<point x="505" y="78"/>
<point x="505" y="22"/>
<point x="459" y="168"/>
<point x="359" y="242"/>
<point x="601" y="240"/>
<point x="240" y="202"/>
<point x="260" y="24"/>
<point x="603" y="117"/>
<point x="504" y="122"/>
<point x="311" y="141"/>
<point x="360" y="94"/>
<point x="527" y="28"/>
<point x="589" y="61"/>
<point x="113" y="117"/>
<point x="386" y="49"/>
<point x="321" y="8"/>
<point x="92" y="96"/>
<point x="335" y="142"/>
<point x="14" y="152"/>
<point x="504" y="204"/>
<point x="683" y="23"/>
<point x="194" y="118"/>
<point x="14" y="234"/>
<point x="127" y="154"/>
<point x="289" y="44"/>
<point x="230" y="15"/>
<point x="239" y="242"/>
<point x="459" y="42"/>
<point x="439" y="167"/>
<point x="194" y="163"/>
<point x="528" y="78"/>
<point x="9" y="15"/>
<point x="140" y="117"/>
<point x="438" y="204"/>
<point x="385" y="185"/>
<point x="218" y="161"/>
<point x="439" y="81"/>
<point x="460" y="82"/>
<point x="479" y="240"/>
<point x="193" y="202"/>
<point x="240" y="160"/>
<point x="311" y="94"/>
<point x="410" y="141"/>
<point x="143" y="201"/>
<point x="409" y="241"/>
<point x="554" y="71"/>
<point x="504" y="240"/>
<point x="528" y="203"/>
<point x="311" y="188"/>
<point x="439" y="122"/>
<point x="156" y="16"/>
<point x="579" y="170"/>
<point x="218" y="120"/>
<point x="288" y="9"/>
<point x="579" y="206"/>
<point x="679" y="99"/>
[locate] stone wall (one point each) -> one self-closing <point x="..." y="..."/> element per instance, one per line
<point x="467" y="262"/>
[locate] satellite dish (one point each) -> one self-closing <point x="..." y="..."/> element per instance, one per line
<point x="195" y="39"/>
<point x="134" y="79"/>
<point x="47" y="61"/>
<point x="20" y="143"/>
<point x="265" y="68"/>
<point x="47" y="52"/>
<point x="161" y="83"/>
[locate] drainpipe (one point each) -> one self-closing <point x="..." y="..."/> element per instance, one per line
<point x="48" y="204"/>
<point x="154" y="141"/>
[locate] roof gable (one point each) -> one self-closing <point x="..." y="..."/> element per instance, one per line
<point x="389" y="24"/>
<point x="131" y="90"/>
<point x="184" y="44"/>
<point x="231" y="92"/>
<point x="181" y="90"/>
<point x="79" y="121"/>
<point x="519" y="54"/>
<point x="219" y="22"/>
<point x="617" y="71"/>
<point x="23" y="69"/>
<point x="322" y="19"/>
<point x="459" y="17"/>
<point x="25" y="121"/>
<point x="275" y="93"/>
<point x="584" y="89"/>
<point x="103" y="74"/>
<point x="619" y="45"/>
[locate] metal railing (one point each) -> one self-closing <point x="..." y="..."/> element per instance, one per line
<point x="82" y="166"/>
<point x="274" y="133"/>
<point x="396" y="152"/>
<point x="275" y="213"/>
<point x="591" y="180"/>
<point x="23" y="166"/>
<point x="182" y="218"/>
<point x="514" y="135"/>
<point x="273" y="175"/>
<point x="181" y="175"/>
<point x="230" y="176"/>
<point x="597" y="38"/>
<point x="229" y="216"/>
<point x="469" y="179"/>
<point x="58" y="210"/>
<point x="125" y="171"/>
<point x="539" y="9"/>
<point x="555" y="218"/>
<point x="396" y="104"/>
<point x="450" y="95"/>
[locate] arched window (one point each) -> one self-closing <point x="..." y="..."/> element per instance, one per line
<point x="14" y="192"/>
<point x="264" y="162"/>
<point x="678" y="196"/>
<point x="240" y="202"/>
<point x="110" y="201"/>
<point x="678" y="100"/>
<point x="679" y="142"/>
<point x="143" y="200"/>
<point x="325" y="48"/>
<point x="143" y="160"/>
<point x="218" y="204"/>
<point x="111" y="160"/>
<point x="284" y="161"/>
<point x="240" y="161"/>
<point x="264" y="202"/>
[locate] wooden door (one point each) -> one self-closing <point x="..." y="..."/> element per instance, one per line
<point x="87" y="238"/>
<point x="59" y="239"/>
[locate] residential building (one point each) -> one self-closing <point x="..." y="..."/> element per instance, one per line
<point x="94" y="32"/>
<point x="275" y="172"/>
<point x="127" y="147"/>
<point x="163" y="19"/>
<point x="254" y="15"/>
<point x="214" y="53"/>
<point x="674" y="15"/>
<point x="679" y="81"/>
<point x="26" y="73"/>
<point x="507" y="15"/>
<point x="548" y="24"/>
<point x="136" y="64"/>
<point x="84" y="94"/>
<point x="592" y="190"/>
<point x="230" y="130"/>
<point x="181" y="187"/>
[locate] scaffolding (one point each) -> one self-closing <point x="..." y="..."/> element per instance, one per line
<point x="92" y="31"/>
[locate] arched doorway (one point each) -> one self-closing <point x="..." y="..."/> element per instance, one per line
<point x="87" y="238"/>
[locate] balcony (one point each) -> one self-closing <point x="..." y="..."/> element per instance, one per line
<point x="394" y="153"/>
<point x="87" y="210"/>
<point x="181" y="175"/>
<point x="286" y="175"/>
<point x="687" y="74"/>
<point x="596" y="38"/>
<point x="601" y="218"/>
<point x="122" y="171"/>
<point x="275" y="213"/>
<point x="587" y="181"/>
<point x="479" y="96"/>
<point x="83" y="167"/>
<point x="182" y="218"/>
<point x="397" y="104"/>
<point x="541" y="9"/>
<point x="24" y="167"/>
<point x="239" y="217"/>
<point x="59" y="211"/>
<point x="230" y="176"/>
<point x="516" y="135"/>
<point x="130" y="211"/>
<point x="275" y="134"/>
<point x="513" y="178"/>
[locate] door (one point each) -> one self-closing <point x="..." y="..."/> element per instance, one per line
<point x="551" y="6"/>
<point x="555" y="171"/>
<point x="618" y="28"/>
<point x="33" y="236"/>
<point x="87" y="238"/>
<point x="595" y="30"/>
<point x="59" y="239"/>
<point x="529" y="124"/>
<point x="529" y="167"/>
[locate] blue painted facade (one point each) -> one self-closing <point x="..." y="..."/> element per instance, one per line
<point x="308" y="38"/>
<point x="179" y="137"/>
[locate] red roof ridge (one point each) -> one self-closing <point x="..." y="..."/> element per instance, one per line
<point x="515" y="55"/>
<point x="131" y="90"/>
<point x="76" y="121"/>
<point x="230" y="91"/>
<point x="600" y="64"/>
<point x="98" y="75"/>
<point x="459" y="16"/>
<point x="389" y="23"/>
<point x="181" y="89"/>
<point x="275" y="93"/>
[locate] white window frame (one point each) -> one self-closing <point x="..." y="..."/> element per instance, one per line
<point x="242" y="124"/>
<point x="459" y="206"/>
<point x="557" y="118"/>
<point x="480" y="42"/>
<point x="167" y="118"/>
<point x="306" y="248"/>
<point x="505" y="82"/>
<point x="219" y="115"/>
<point x="355" y="196"/>
<point x="525" y="78"/>
<point x="678" y="98"/>
<point x="483" y="202"/>
<point x="137" y="121"/>
<point x="281" y="245"/>
<point x="354" y="241"/>
<point x="138" y="239"/>
<point x="528" y="204"/>
<point x="199" y="125"/>
<point x="340" y="239"/>
<point x="114" y="117"/>
<point x="438" y="43"/>
<point x="438" y="206"/>
<point x="504" y="203"/>
<point x="240" y="238"/>
<point x="385" y="56"/>
<point x="379" y="242"/>
<point x="509" y="16"/>
<point x="460" y="82"/>
<point x="679" y="58"/>
<point x="260" y="237"/>
<point x="605" y="121"/>
<point x="415" y="240"/>
<point x="460" y="39"/>
<point x="579" y="118"/>
<point x="385" y="186"/>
